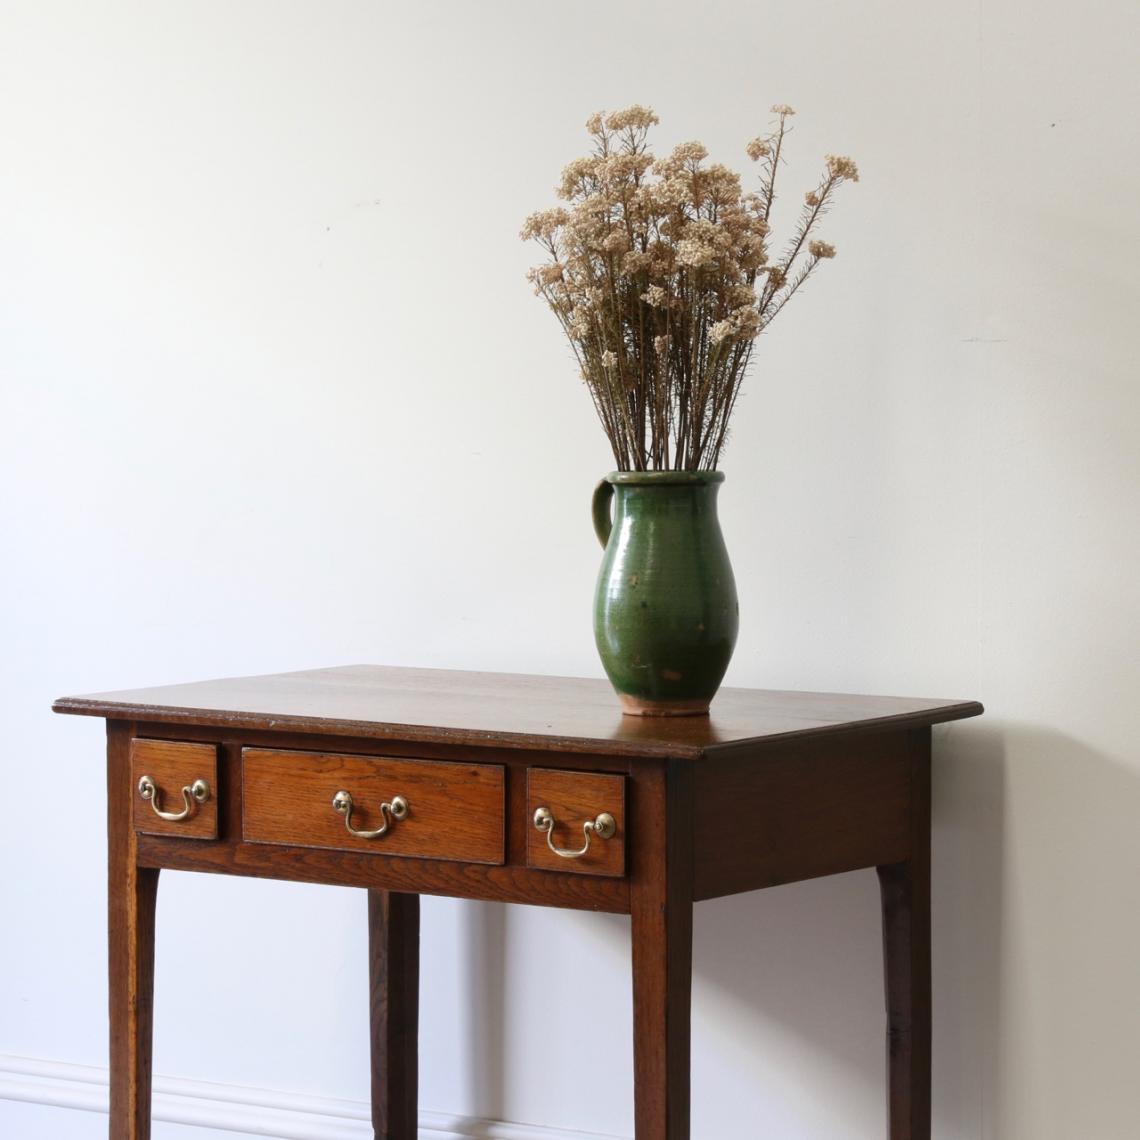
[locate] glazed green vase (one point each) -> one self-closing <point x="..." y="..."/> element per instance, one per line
<point x="665" y="610"/>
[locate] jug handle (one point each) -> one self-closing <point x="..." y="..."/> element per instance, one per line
<point x="603" y="493"/>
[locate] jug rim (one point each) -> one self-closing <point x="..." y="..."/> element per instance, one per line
<point x="655" y="478"/>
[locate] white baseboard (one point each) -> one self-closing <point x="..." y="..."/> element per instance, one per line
<point x="256" y="1112"/>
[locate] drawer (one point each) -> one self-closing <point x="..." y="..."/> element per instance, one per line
<point x="435" y="809"/>
<point x="178" y="780"/>
<point x="582" y="815"/>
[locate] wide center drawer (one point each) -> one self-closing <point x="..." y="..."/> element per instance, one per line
<point x="426" y="809"/>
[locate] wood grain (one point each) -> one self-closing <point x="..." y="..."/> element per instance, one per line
<point x="574" y="798"/>
<point x="415" y="876"/>
<point x="801" y="809"/>
<point x="905" y="891"/>
<point x="661" y="905"/>
<point x="131" y="895"/>
<point x="174" y="765"/>
<point x="455" y="811"/>
<point x="558" y="714"/>
<point x="394" y="988"/>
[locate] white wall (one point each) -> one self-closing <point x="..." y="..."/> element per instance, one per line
<point x="276" y="395"/>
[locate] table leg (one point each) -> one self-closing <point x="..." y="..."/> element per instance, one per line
<point x="132" y="893"/>
<point x="661" y="905"/>
<point x="394" y="959"/>
<point x="905" y="891"/>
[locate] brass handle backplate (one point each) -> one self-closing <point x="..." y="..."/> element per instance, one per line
<point x="192" y="795"/>
<point x="604" y="827"/>
<point x="390" y="812"/>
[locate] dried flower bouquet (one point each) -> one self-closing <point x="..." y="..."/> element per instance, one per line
<point x="659" y="273"/>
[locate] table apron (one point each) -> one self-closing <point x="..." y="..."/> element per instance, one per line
<point x="412" y="876"/>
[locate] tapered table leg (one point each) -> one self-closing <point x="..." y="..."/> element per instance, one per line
<point x="905" y="890"/>
<point x="662" y="912"/>
<point x="132" y="893"/>
<point x="394" y="954"/>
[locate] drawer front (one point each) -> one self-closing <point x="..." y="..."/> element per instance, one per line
<point x="177" y="780"/>
<point x="436" y="810"/>
<point x="582" y="815"/>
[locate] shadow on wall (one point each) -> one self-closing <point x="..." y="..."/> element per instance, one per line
<point x="799" y="968"/>
<point x="788" y="985"/>
<point x="485" y="926"/>
<point x="794" y="974"/>
<point x="967" y="882"/>
<point x="1061" y="1062"/>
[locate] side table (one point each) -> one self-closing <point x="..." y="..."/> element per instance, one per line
<point x="517" y="789"/>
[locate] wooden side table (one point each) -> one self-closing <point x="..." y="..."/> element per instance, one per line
<point x="517" y="789"/>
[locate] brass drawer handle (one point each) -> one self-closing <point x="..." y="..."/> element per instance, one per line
<point x="192" y="795"/>
<point x="391" y="812"/>
<point x="603" y="827"/>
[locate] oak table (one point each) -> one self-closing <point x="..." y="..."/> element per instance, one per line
<point x="517" y="789"/>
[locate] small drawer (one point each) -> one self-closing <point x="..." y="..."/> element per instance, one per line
<point x="421" y="809"/>
<point x="575" y="822"/>
<point x="175" y="788"/>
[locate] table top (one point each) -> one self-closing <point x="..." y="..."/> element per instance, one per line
<point x="565" y="714"/>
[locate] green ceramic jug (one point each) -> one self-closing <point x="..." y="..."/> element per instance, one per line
<point x="665" y="609"/>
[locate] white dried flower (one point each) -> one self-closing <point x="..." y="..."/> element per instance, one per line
<point x="543" y="224"/>
<point x="651" y="262"/>
<point x="634" y="262"/>
<point x="839" y="166"/>
<point x="746" y="323"/>
<point x="637" y="116"/>
<point x="673" y="192"/>
<point x="752" y="252"/>
<point x="545" y="276"/>
<point x="574" y="175"/>
<point x="721" y="182"/>
<point x="695" y="253"/>
<point x="756" y="149"/>
<point x="617" y="241"/>
<point x="617" y="168"/>
<point x="689" y="152"/>
<point x="662" y="258"/>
